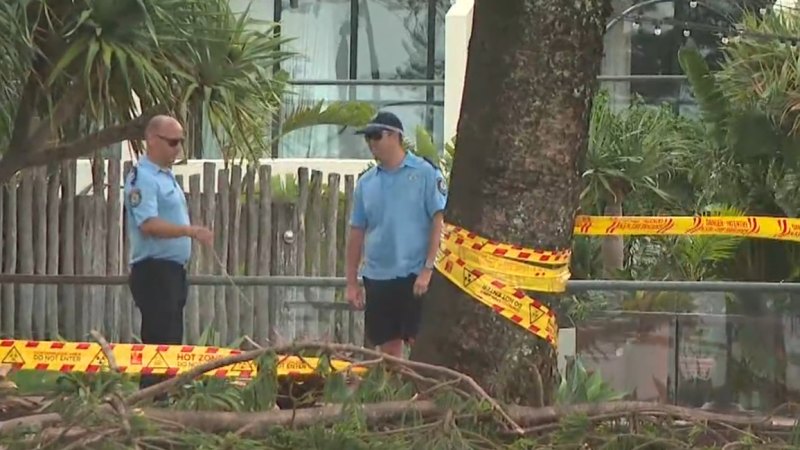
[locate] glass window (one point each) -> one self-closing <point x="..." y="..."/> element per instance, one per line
<point x="392" y="39"/>
<point x="260" y="10"/>
<point x="651" y="46"/>
<point x="439" y="24"/>
<point x="324" y="141"/>
<point x="320" y="33"/>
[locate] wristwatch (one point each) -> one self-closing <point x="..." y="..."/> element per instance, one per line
<point x="429" y="265"/>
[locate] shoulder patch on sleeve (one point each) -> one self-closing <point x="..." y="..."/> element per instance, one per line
<point x="441" y="185"/>
<point x="135" y="197"/>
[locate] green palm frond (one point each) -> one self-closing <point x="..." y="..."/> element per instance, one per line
<point x="15" y="59"/>
<point x="763" y="74"/>
<point x="227" y="70"/>
<point x="340" y="113"/>
<point x="106" y="61"/>
<point x="632" y="150"/>
<point x="710" y="99"/>
<point x="424" y="145"/>
<point x="698" y="255"/>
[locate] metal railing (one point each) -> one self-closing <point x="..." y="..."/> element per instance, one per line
<point x="573" y="286"/>
<point x="440" y="82"/>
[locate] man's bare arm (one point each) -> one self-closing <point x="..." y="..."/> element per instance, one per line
<point x="162" y="229"/>
<point x="435" y="237"/>
<point x="355" y="244"/>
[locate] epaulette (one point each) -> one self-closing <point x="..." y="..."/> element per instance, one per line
<point x="430" y="162"/>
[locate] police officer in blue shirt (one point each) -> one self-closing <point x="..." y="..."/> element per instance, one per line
<point x="395" y="225"/>
<point x="160" y="237"/>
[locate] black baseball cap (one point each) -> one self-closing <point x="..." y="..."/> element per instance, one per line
<point x="383" y="121"/>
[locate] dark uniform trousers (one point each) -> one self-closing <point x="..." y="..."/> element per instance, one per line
<point x="159" y="289"/>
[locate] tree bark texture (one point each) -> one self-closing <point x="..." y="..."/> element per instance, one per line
<point x="522" y="135"/>
<point x="613" y="247"/>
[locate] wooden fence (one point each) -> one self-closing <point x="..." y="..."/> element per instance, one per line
<point x="256" y="233"/>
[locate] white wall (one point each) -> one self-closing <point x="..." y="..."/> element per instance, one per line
<point x="279" y="167"/>
<point x="458" y="29"/>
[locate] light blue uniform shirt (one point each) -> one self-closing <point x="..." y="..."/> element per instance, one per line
<point x="396" y="209"/>
<point x="151" y="191"/>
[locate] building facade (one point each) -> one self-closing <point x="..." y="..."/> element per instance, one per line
<point x="386" y="52"/>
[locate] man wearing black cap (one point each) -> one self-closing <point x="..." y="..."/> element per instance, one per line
<point x="395" y="225"/>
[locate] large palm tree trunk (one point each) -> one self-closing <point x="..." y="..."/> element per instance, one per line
<point x="613" y="247"/>
<point x="530" y="78"/>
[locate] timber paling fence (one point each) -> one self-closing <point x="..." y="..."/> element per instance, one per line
<point x="47" y="228"/>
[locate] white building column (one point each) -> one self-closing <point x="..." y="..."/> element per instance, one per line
<point x="457" y="31"/>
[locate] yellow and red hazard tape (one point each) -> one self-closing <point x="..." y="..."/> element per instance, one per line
<point x="780" y="228"/>
<point x="143" y="359"/>
<point x="495" y="274"/>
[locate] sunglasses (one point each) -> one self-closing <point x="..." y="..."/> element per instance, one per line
<point x="374" y="136"/>
<point x="172" y="142"/>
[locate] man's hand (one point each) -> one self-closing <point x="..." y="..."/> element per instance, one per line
<point x="422" y="283"/>
<point x="201" y="234"/>
<point x="355" y="295"/>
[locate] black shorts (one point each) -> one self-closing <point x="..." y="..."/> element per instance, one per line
<point x="392" y="311"/>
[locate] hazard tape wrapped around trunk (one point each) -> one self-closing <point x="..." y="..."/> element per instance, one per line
<point x="495" y="274"/>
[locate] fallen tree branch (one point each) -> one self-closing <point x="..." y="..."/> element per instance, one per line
<point x="104" y="345"/>
<point x="466" y="379"/>
<point x="539" y="419"/>
<point x="540" y="416"/>
<point x="252" y="424"/>
<point x="36" y="420"/>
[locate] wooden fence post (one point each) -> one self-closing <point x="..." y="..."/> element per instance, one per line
<point x="67" y="308"/>
<point x="220" y="256"/>
<point x="53" y="223"/>
<point x="113" y="248"/>
<point x="354" y="326"/>
<point x="263" y="332"/>
<point x="97" y="311"/>
<point x="208" y="264"/>
<point x="10" y="260"/>
<point x="309" y="313"/>
<point x="234" y="295"/>
<point x="284" y="262"/>
<point x="25" y="244"/>
<point x="192" y="312"/>
<point x="331" y="226"/>
<point x="39" y="179"/>
<point x="84" y="234"/>
<point x="129" y="313"/>
<point x="250" y="212"/>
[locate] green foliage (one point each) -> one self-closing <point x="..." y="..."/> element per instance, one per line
<point x="209" y="394"/>
<point x="634" y="149"/>
<point x="261" y="392"/>
<point x="194" y="58"/>
<point x="340" y="113"/>
<point x="581" y="386"/>
<point x="212" y="338"/>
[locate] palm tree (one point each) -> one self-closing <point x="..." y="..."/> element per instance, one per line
<point x="80" y="76"/>
<point x="521" y="137"/>
<point x="632" y="151"/>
